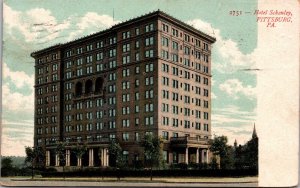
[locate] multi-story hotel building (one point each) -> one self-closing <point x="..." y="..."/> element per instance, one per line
<point x="148" y="75"/>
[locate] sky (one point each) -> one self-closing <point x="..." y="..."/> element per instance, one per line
<point x="31" y="25"/>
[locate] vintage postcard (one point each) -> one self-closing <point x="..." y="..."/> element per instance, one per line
<point x="150" y="93"/>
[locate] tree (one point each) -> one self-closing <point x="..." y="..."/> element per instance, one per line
<point x="115" y="152"/>
<point x="251" y="153"/>
<point x="7" y="168"/>
<point x="60" y="151"/>
<point x="152" y="149"/>
<point x="79" y="151"/>
<point x="35" y="156"/>
<point x="219" y="147"/>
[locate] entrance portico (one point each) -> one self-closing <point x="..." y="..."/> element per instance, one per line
<point x="190" y="150"/>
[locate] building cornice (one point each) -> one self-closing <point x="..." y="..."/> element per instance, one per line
<point x="114" y="28"/>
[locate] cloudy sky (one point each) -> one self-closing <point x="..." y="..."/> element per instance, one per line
<point x="30" y="25"/>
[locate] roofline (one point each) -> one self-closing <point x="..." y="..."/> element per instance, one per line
<point x="158" y="13"/>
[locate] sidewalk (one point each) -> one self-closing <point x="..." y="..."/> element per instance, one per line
<point x="147" y="179"/>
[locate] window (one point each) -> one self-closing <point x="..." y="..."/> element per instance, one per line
<point x="137" y="70"/>
<point x="137" y="56"/>
<point x="149" y="81"/>
<point x="137" y="121"/>
<point x="125" y="110"/>
<point x="175" y="122"/>
<point x="89" y="127"/>
<point x="205" y="92"/>
<point x="187" y="50"/>
<point x="165" y="81"/>
<point x="125" y="137"/>
<point x="137" y="96"/>
<point x="125" y="85"/>
<point x="186" y="124"/>
<point x="205" y="81"/>
<point x="99" y="67"/>
<point x="165" y="121"/>
<point x="137" y="82"/>
<point x="205" y="46"/>
<point x="149" y="94"/>
<point x="89" y="70"/>
<point x="165" y="135"/>
<point x="174" y="45"/>
<point x="149" y="27"/>
<point x="174" y="57"/>
<point x="136" y="136"/>
<point x="205" y="104"/>
<point x="99" y="44"/>
<point x="175" y="32"/>
<point x="149" y="53"/>
<point x="187" y="112"/>
<point x="165" y="54"/>
<point x="126" y="59"/>
<point x="164" y="41"/>
<point x="149" y="67"/>
<point x="137" y="31"/>
<point x="205" y="127"/>
<point x="89" y="59"/>
<point x="175" y="71"/>
<point x="126" y="47"/>
<point x="205" y="114"/>
<point x="89" y="47"/>
<point x="125" y="122"/>
<point x="112" y="52"/>
<point x="165" y="67"/>
<point x="149" y="41"/>
<point x="165" y="28"/>
<point x="113" y="40"/>
<point x="186" y="37"/>
<point x="126" y="35"/>
<point x="99" y="56"/>
<point x="125" y="72"/>
<point x="197" y="126"/>
<point x="136" y="109"/>
<point x="198" y="43"/>
<point x="149" y="107"/>
<point x="149" y="120"/>
<point x="165" y="94"/>
<point x="137" y="44"/>
<point x="175" y="109"/>
<point x="175" y="96"/>
<point x="198" y="55"/>
<point x="165" y="107"/>
<point x="111" y="124"/>
<point x="111" y="76"/>
<point x="186" y="87"/>
<point x="175" y="83"/>
<point x="54" y="67"/>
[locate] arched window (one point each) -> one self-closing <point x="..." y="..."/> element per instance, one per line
<point x="88" y="86"/>
<point x="99" y="85"/>
<point x="78" y="89"/>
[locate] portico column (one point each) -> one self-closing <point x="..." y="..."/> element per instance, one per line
<point x="78" y="161"/>
<point x="106" y="161"/>
<point x="47" y="158"/>
<point x="187" y="155"/>
<point x="107" y="155"/>
<point x="56" y="160"/>
<point x="202" y="156"/>
<point x="67" y="157"/>
<point x="197" y="155"/>
<point x="91" y="157"/>
<point x="102" y="156"/>
<point x="207" y="156"/>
